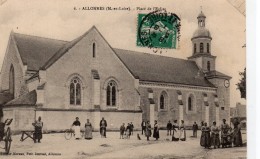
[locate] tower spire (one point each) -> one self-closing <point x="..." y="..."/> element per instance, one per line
<point x="201" y="18"/>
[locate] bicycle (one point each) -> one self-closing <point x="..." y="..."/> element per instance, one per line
<point x="70" y="132"/>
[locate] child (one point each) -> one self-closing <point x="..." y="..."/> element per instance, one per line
<point x="122" y="131"/>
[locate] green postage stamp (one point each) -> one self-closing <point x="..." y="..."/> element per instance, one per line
<point x="158" y="30"/>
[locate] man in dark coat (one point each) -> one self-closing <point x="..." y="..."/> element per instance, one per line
<point x="103" y="125"/>
<point x="169" y="128"/>
<point x="195" y="129"/>
<point x="131" y="128"/>
<point x="143" y="126"/>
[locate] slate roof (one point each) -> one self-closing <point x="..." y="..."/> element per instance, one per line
<point x="26" y="99"/>
<point x="41" y="53"/>
<point x="36" y="51"/>
<point x="5" y="97"/>
<point x="155" y="68"/>
<point x="64" y="49"/>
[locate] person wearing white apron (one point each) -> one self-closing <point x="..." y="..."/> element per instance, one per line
<point x="175" y="128"/>
<point x="182" y="131"/>
<point x="76" y="126"/>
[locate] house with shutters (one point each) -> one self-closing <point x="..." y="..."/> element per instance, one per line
<point x="87" y="78"/>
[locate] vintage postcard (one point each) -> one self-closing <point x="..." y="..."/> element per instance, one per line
<point x="123" y="79"/>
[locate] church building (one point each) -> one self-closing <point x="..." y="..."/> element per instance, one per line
<point x="87" y="78"/>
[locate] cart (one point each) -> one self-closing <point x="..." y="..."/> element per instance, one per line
<point x="5" y="135"/>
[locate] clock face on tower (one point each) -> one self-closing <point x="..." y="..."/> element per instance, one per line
<point x="226" y="83"/>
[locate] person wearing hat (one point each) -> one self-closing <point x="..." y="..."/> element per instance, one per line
<point x="224" y="134"/>
<point x="76" y="126"/>
<point x="215" y="135"/>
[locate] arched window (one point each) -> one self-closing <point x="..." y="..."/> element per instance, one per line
<point x="94" y="50"/>
<point x="163" y="100"/>
<point x="75" y="91"/>
<point x="195" y="48"/>
<point x="208" y="65"/>
<point x="111" y="93"/>
<point x="207" y="47"/>
<point x="11" y="81"/>
<point x="190" y="104"/>
<point x="201" y="47"/>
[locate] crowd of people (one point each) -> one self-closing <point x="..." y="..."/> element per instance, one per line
<point x="210" y="136"/>
<point x="177" y="132"/>
<point x="126" y="132"/>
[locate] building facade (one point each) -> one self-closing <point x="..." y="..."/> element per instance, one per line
<point x="87" y="78"/>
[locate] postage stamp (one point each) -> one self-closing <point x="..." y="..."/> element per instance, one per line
<point x="158" y="29"/>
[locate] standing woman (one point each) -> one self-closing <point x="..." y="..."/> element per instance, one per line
<point x="237" y="136"/>
<point x="38" y="130"/>
<point x="224" y="134"/>
<point x="148" y="131"/>
<point x="76" y="126"/>
<point x="103" y="127"/>
<point x="215" y="135"/>
<point x="156" y="130"/>
<point x="182" y="131"/>
<point x="128" y="131"/>
<point x="175" y="127"/>
<point x="88" y="130"/>
<point x="205" y="136"/>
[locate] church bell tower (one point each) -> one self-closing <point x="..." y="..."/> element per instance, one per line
<point x="201" y="46"/>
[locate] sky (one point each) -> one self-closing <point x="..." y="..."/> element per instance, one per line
<point x="58" y="20"/>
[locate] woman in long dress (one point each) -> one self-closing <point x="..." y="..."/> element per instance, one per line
<point x="175" y="127"/>
<point x="88" y="130"/>
<point x="148" y="131"/>
<point x="205" y="136"/>
<point x="182" y="131"/>
<point x="76" y="126"/>
<point x="38" y="130"/>
<point x="215" y="135"/>
<point x="237" y="136"/>
<point x="156" y="131"/>
<point x="225" y="134"/>
<point x="128" y="131"/>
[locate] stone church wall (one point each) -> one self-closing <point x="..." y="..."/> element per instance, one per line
<point x="12" y="58"/>
<point x="79" y="61"/>
<point x="172" y="111"/>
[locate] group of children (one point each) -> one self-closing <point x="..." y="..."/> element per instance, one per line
<point x="126" y="132"/>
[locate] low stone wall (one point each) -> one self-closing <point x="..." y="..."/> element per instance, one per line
<point x="23" y="117"/>
<point x="60" y="120"/>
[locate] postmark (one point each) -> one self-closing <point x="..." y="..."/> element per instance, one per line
<point x="158" y="29"/>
